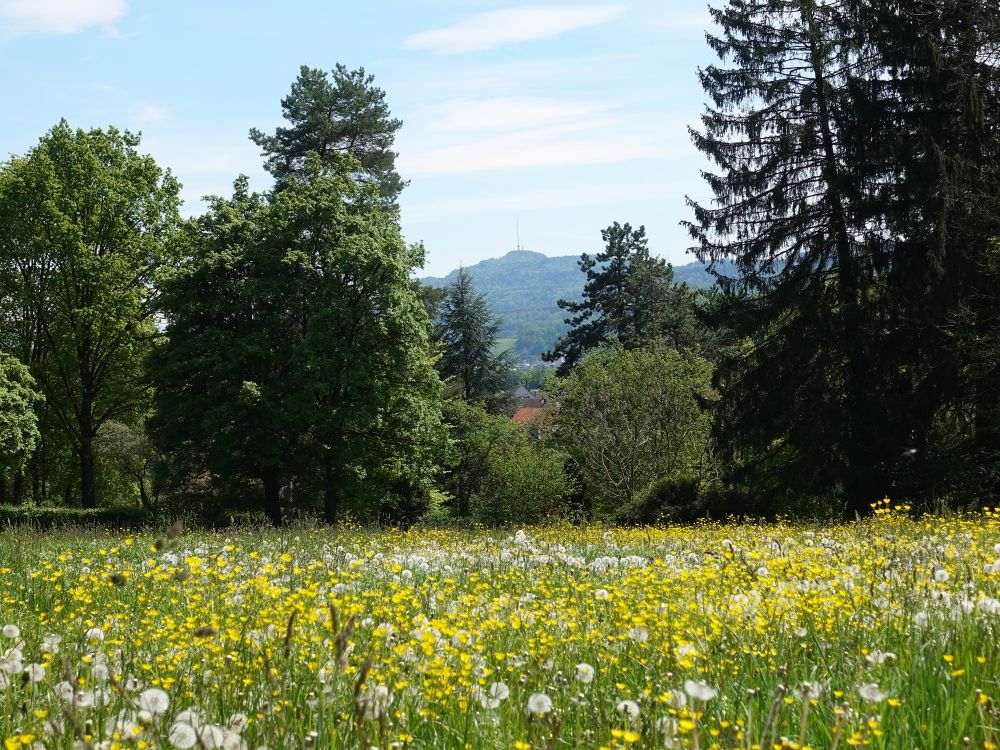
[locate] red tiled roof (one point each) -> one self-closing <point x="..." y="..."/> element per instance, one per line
<point x="526" y="413"/>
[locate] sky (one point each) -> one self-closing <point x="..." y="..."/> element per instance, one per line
<point x="553" y="119"/>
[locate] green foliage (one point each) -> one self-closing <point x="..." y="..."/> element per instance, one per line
<point x="297" y="348"/>
<point x="129" y="449"/>
<point x="629" y="298"/>
<point x="334" y="115"/>
<point x="533" y="378"/>
<point x="467" y="333"/>
<point x="857" y="203"/>
<point x="503" y="474"/>
<point x="18" y="421"/>
<point x="85" y="224"/>
<point x="631" y="418"/>
<point x="48" y="517"/>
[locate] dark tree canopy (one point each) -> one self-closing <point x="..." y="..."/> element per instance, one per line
<point x="850" y="141"/>
<point x="331" y="115"/>
<point x="467" y="332"/>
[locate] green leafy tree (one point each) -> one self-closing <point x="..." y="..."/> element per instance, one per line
<point x="629" y="297"/>
<point x="631" y="418"/>
<point x="503" y="474"/>
<point x="331" y="115"/>
<point x="297" y="346"/>
<point x="85" y="227"/>
<point x="18" y="421"/>
<point x="467" y="332"/>
<point x="129" y="449"/>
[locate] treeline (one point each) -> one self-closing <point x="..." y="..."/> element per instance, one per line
<point x="275" y="354"/>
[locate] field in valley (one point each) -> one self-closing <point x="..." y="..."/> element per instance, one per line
<point x="882" y="633"/>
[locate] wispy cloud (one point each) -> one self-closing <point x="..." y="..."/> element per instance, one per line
<point x="150" y="113"/>
<point x="492" y="29"/>
<point x="506" y="113"/>
<point x="527" y="202"/>
<point x="570" y="144"/>
<point x="463" y="135"/>
<point x="19" y="17"/>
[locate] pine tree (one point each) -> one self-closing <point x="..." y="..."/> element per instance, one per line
<point x="331" y="115"/>
<point x="467" y="332"/>
<point x="629" y="297"/>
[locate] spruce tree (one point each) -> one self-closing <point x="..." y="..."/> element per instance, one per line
<point x="849" y="139"/>
<point x="467" y="331"/>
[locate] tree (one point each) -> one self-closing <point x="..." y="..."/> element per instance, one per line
<point x="18" y="422"/>
<point x="129" y="449"/>
<point x="503" y="475"/>
<point x="467" y="332"/>
<point x="332" y="115"/>
<point x="85" y="224"/>
<point x="631" y="418"/>
<point x="629" y="297"/>
<point x="848" y="138"/>
<point x="296" y="346"/>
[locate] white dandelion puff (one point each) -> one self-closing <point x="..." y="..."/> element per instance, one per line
<point x="872" y="693"/>
<point x="584" y="673"/>
<point x="155" y="701"/>
<point x="539" y="704"/>
<point x="182" y="735"/>
<point x="699" y="690"/>
<point x="494" y="695"/>
<point x="629" y="708"/>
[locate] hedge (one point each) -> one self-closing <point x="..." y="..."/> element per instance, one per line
<point x="55" y="517"/>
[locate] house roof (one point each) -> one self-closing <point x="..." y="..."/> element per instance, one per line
<point x="526" y="413"/>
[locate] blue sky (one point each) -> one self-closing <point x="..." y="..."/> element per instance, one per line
<point x="559" y="116"/>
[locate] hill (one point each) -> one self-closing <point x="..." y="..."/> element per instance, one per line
<point x="523" y="287"/>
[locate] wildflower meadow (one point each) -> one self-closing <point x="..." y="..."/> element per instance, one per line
<point x="881" y="633"/>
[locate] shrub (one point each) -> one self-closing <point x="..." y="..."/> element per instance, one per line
<point x="504" y="475"/>
<point x="55" y="517"/>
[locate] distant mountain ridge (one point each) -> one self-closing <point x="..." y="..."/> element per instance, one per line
<point x="523" y="287"/>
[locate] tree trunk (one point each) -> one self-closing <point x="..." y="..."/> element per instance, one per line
<point x="144" y="495"/>
<point x="17" y="487"/>
<point x="859" y="450"/>
<point x="88" y="486"/>
<point x="272" y="495"/>
<point x="332" y="495"/>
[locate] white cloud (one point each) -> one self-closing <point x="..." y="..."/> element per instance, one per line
<point x="19" y="17"/>
<point x="493" y="29"/>
<point x="150" y="113"/>
<point x="573" y="144"/>
<point x="527" y="202"/>
<point x="506" y="113"/>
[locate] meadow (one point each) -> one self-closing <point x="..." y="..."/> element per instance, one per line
<point x="881" y="633"/>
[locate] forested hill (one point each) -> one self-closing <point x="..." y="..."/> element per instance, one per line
<point x="523" y="288"/>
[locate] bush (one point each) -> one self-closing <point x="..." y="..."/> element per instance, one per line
<point x="504" y="475"/>
<point x="628" y="418"/>
<point x="54" y="517"/>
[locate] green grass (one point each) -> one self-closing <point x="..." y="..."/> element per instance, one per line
<point x="881" y="634"/>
